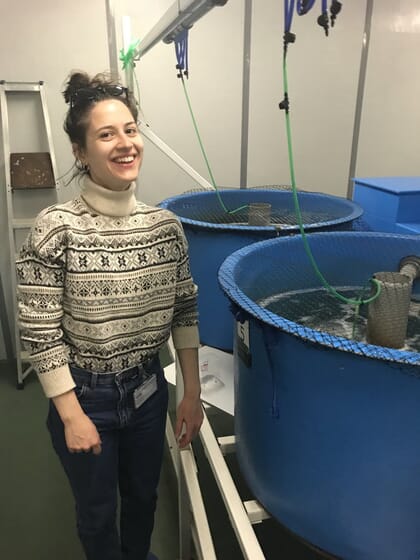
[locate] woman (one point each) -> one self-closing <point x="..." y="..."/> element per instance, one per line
<point x="103" y="281"/>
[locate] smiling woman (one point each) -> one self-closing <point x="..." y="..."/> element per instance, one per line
<point x="103" y="281"/>
<point x="102" y="126"/>
<point x="114" y="149"/>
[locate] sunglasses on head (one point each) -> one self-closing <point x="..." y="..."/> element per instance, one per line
<point x="85" y="95"/>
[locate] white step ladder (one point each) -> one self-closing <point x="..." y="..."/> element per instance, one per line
<point x="30" y="181"/>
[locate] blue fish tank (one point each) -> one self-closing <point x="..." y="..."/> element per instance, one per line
<point x="218" y="222"/>
<point x="327" y="422"/>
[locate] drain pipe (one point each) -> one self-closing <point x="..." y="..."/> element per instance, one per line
<point x="410" y="266"/>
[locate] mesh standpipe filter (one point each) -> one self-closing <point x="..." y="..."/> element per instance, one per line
<point x="388" y="314"/>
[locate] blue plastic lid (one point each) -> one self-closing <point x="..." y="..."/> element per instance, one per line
<point x="397" y="185"/>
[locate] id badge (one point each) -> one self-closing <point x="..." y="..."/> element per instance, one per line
<point x="146" y="390"/>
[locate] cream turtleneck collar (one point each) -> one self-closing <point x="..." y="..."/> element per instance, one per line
<point x="108" y="202"/>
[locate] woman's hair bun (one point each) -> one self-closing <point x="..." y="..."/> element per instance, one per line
<point x="77" y="80"/>
<point x="76" y="121"/>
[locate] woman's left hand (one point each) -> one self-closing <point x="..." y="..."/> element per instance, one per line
<point x="189" y="416"/>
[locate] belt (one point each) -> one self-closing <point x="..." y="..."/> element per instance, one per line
<point x="109" y="378"/>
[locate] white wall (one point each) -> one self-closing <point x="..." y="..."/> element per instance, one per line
<point x="45" y="40"/>
<point x="389" y="137"/>
<point x="322" y="79"/>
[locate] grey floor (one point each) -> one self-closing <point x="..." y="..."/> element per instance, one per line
<point x="36" y="507"/>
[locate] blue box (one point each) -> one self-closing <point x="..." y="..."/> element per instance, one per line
<point x="390" y="204"/>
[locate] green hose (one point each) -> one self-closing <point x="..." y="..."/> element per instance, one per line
<point x="203" y="151"/>
<point x="331" y="290"/>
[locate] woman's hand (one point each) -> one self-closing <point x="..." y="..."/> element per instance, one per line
<point x="190" y="412"/>
<point x="80" y="432"/>
<point x="81" y="435"/>
<point x="189" y="416"/>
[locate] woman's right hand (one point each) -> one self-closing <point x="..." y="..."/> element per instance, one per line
<point x="81" y="435"/>
<point x="80" y="432"/>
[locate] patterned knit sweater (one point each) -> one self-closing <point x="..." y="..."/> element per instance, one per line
<point x="102" y="281"/>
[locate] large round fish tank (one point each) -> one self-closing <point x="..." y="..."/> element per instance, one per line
<point x="214" y="233"/>
<point x="327" y="427"/>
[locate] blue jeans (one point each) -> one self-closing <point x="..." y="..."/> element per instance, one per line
<point x="131" y="459"/>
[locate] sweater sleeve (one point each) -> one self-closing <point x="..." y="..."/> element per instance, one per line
<point x="185" y="319"/>
<point x="40" y="276"/>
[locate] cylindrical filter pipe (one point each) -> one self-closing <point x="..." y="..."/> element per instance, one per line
<point x="388" y="313"/>
<point x="259" y="214"/>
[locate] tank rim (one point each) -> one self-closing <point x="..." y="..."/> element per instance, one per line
<point x="355" y="213"/>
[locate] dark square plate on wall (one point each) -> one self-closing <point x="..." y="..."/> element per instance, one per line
<point x="31" y="171"/>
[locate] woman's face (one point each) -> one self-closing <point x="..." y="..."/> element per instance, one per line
<point x="114" y="147"/>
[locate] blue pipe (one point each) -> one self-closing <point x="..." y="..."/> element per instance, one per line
<point x="289" y="6"/>
<point x="302" y="8"/>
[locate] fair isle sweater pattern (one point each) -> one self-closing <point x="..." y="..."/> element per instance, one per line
<point x="104" y="292"/>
